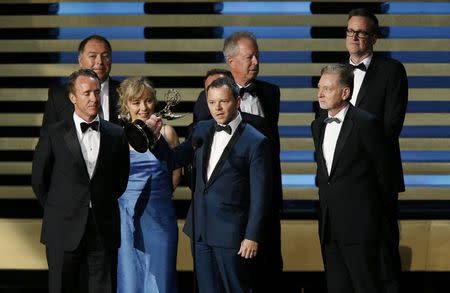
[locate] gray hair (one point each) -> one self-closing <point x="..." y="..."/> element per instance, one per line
<point x="230" y="45"/>
<point x="345" y="73"/>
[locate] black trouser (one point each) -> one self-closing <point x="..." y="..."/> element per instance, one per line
<point x="352" y="267"/>
<point x="89" y="268"/>
<point x="267" y="267"/>
<point x="390" y="256"/>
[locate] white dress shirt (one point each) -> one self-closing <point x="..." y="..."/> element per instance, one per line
<point x="89" y="143"/>
<point x="219" y="142"/>
<point x="359" y="77"/>
<point x="330" y="137"/>
<point x="251" y="104"/>
<point x="104" y="99"/>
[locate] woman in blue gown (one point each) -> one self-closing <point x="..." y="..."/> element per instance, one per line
<point x="149" y="231"/>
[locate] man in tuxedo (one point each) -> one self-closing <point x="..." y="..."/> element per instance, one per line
<point x="353" y="176"/>
<point x="227" y="219"/>
<point x="380" y="88"/>
<point x="262" y="99"/>
<point x="80" y="168"/>
<point x="201" y="111"/>
<point x="95" y="53"/>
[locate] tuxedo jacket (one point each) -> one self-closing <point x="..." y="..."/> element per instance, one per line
<point x="61" y="183"/>
<point x="384" y="93"/>
<point x="59" y="107"/>
<point x="353" y="195"/>
<point x="269" y="96"/>
<point x="233" y="204"/>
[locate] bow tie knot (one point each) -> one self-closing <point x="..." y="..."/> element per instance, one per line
<point x="250" y="89"/>
<point x="93" y="125"/>
<point x="360" y="66"/>
<point x="332" y="119"/>
<point x="226" y="128"/>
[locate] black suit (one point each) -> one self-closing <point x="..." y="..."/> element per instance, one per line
<point x="59" y="107"/>
<point x="352" y="199"/>
<point x="384" y="93"/>
<point x="63" y="187"/>
<point x="269" y="261"/>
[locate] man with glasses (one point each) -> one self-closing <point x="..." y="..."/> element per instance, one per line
<point x="380" y="88"/>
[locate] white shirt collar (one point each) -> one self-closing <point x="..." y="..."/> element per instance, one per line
<point x="366" y="61"/>
<point x="240" y="86"/>
<point x="341" y="114"/>
<point x="78" y="120"/>
<point x="104" y="86"/>
<point x="234" y="123"/>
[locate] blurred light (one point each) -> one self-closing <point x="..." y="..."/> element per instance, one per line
<point x="108" y="32"/>
<point x="266" y="8"/>
<point x="418" y="8"/>
<point x="274" y="32"/>
<point x="101" y="8"/>
<point x="307" y="180"/>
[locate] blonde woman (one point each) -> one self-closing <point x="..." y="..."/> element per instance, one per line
<point x="147" y="256"/>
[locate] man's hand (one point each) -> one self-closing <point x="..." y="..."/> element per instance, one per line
<point x="155" y="124"/>
<point x="249" y="248"/>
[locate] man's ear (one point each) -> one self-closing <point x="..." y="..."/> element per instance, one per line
<point x="229" y="60"/>
<point x="72" y="98"/>
<point x="346" y="94"/>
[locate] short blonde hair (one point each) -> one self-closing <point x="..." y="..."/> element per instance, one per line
<point x="133" y="88"/>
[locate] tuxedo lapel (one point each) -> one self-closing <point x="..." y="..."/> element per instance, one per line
<point x="226" y="153"/>
<point x="265" y="102"/>
<point x="368" y="79"/>
<point x="104" y="141"/>
<point x="342" y="138"/>
<point x="207" y="152"/>
<point x="71" y="139"/>
<point x="318" y="141"/>
<point x="113" y="97"/>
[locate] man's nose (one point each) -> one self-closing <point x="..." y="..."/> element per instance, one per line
<point x="319" y="93"/>
<point x="98" y="59"/>
<point x="255" y="60"/>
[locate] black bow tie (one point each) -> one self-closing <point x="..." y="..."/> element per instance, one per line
<point x="332" y="119"/>
<point x="226" y="128"/>
<point x="84" y="126"/>
<point x="360" y="66"/>
<point x="251" y="89"/>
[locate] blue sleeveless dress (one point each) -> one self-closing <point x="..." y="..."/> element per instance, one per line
<point x="149" y="231"/>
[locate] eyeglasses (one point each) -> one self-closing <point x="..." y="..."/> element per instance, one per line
<point x="359" y="34"/>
